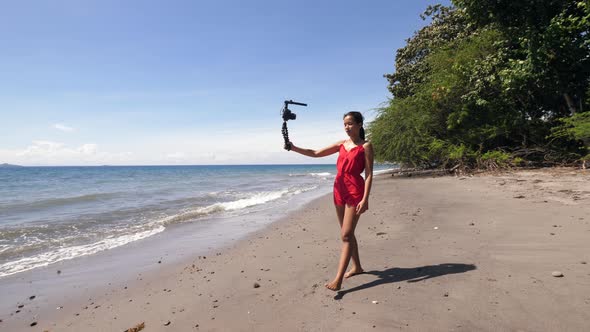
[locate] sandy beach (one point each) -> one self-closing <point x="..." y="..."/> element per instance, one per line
<point x="473" y="253"/>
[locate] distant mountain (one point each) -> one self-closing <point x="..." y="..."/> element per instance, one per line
<point x="9" y="166"/>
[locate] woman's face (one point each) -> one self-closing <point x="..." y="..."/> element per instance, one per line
<point x="351" y="127"/>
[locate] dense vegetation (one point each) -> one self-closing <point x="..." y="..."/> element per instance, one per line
<point x="491" y="83"/>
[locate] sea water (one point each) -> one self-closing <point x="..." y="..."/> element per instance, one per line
<point x="51" y="214"/>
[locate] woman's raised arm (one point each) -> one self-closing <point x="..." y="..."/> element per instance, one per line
<point x="318" y="153"/>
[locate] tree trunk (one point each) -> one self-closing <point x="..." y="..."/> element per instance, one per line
<point x="570" y="103"/>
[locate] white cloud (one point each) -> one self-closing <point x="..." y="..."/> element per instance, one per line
<point x="226" y="145"/>
<point x="63" y="127"/>
<point x="88" y="149"/>
<point x="55" y="153"/>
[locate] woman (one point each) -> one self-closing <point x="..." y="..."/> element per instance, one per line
<point x="351" y="191"/>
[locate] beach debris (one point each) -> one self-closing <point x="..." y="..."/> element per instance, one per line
<point x="167" y="323"/>
<point x="471" y="224"/>
<point x="33" y="323"/>
<point x="446" y="294"/>
<point x="20" y="306"/>
<point x="136" y="328"/>
<point x="375" y="302"/>
<point x="256" y="285"/>
<point x="59" y="308"/>
<point x="435" y="227"/>
<point x="31" y="297"/>
<point x="557" y="274"/>
<point x="381" y="233"/>
<point x="519" y="196"/>
<point x="551" y="233"/>
<point x="583" y="262"/>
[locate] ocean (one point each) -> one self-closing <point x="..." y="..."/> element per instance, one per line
<point x="52" y="214"/>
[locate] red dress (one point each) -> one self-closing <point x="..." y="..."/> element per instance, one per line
<point x="349" y="185"/>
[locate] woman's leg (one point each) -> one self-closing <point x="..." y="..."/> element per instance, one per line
<point x="356" y="261"/>
<point x="349" y="222"/>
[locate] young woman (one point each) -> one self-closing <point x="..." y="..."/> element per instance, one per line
<point x="351" y="191"/>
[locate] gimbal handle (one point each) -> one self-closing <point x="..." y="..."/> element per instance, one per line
<point x="288" y="102"/>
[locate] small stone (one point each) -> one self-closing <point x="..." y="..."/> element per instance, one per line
<point x="31" y="297"/>
<point x="446" y="294"/>
<point x="20" y="306"/>
<point x="519" y="196"/>
<point x="159" y="262"/>
<point x="557" y="274"/>
<point x="375" y="302"/>
<point x="58" y="271"/>
<point x="167" y="323"/>
<point x="256" y="285"/>
<point x="33" y="323"/>
<point x="583" y="262"/>
<point x="471" y="224"/>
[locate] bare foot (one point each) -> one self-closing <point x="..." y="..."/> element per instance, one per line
<point x="353" y="272"/>
<point x="334" y="285"/>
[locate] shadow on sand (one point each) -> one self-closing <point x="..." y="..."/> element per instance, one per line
<point x="414" y="274"/>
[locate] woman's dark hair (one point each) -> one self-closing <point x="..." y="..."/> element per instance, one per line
<point x="358" y="118"/>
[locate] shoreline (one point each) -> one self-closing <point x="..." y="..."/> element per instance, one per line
<point x="486" y="266"/>
<point x="90" y="274"/>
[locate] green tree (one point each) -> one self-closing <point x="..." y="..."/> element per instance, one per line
<point x="411" y="68"/>
<point x="488" y="77"/>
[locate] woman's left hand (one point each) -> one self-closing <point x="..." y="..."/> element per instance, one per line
<point x="362" y="207"/>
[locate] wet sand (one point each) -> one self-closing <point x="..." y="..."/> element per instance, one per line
<point x="446" y="254"/>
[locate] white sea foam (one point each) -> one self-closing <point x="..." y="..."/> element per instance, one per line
<point x="4" y="247"/>
<point x="322" y="175"/>
<point x="61" y="254"/>
<point x="249" y="201"/>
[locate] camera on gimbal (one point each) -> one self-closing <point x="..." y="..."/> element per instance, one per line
<point x="288" y="115"/>
<point x="286" y="112"/>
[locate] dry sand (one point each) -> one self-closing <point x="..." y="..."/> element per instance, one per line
<point x="441" y="254"/>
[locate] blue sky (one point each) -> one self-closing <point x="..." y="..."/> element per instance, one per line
<point x="189" y="82"/>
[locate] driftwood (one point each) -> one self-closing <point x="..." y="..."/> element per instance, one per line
<point x="409" y="172"/>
